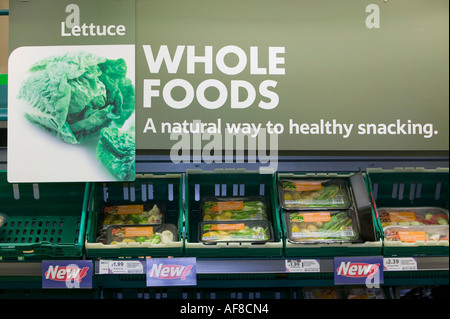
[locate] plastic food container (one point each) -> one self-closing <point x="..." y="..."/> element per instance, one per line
<point x="141" y="234"/>
<point x="322" y="293"/>
<point x="421" y="292"/>
<point x="322" y="227"/>
<point x="143" y="214"/>
<point x="363" y="293"/>
<point x="3" y="219"/>
<point x="412" y="234"/>
<point x="412" y="216"/>
<point x="234" y="208"/>
<point x="313" y="194"/>
<point x="243" y="231"/>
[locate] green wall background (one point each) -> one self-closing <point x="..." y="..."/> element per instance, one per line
<point x="336" y="67"/>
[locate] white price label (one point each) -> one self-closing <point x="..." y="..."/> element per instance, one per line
<point x="121" y="267"/>
<point x="302" y="265"/>
<point x="400" y="264"/>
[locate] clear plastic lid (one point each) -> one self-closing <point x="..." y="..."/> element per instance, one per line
<point x="312" y="194"/>
<point x="133" y="214"/>
<point x="161" y="234"/>
<point x="322" y="227"/>
<point x="254" y="231"/>
<point x="412" y="234"/>
<point x="412" y="216"/>
<point x="234" y="208"/>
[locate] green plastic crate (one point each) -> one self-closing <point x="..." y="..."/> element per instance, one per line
<point x="410" y="187"/>
<point x="200" y="184"/>
<point x="45" y="220"/>
<point x="165" y="188"/>
<point x="328" y="250"/>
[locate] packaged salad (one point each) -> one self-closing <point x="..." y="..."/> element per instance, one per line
<point x="322" y="227"/>
<point x="135" y="214"/>
<point x="412" y="216"/>
<point x="234" y="208"/>
<point x="3" y="219"/>
<point x="322" y="293"/>
<point x="421" y="292"/>
<point x="243" y="231"/>
<point x="314" y="194"/>
<point x="363" y="293"/>
<point x="412" y="234"/>
<point x="161" y="234"/>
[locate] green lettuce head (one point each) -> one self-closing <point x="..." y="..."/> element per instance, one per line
<point x="116" y="151"/>
<point x="75" y="95"/>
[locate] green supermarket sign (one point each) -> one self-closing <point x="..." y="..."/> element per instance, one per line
<point x="213" y="76"/>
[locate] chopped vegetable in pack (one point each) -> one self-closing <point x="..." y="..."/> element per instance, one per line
<point x="234" y="208"/>
<point x="322" y="293"/>
<point x="363" y="293"/>
<point x="245" y="231"/>
<point x="141" y="234"/>
<point x="143" y="214"/>
<point x="322" y="227"/>
<point x="313" y="194"/>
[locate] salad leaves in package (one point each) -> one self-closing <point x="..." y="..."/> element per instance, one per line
<point x="141" y="234"/>
<point x="322" y="293"/>
<point x="245" y="231"/>
<point x="148" y="214"/>
<point x="234" y="208"/>
<point x="322" y="227"/>
<point x="313" y="194"/>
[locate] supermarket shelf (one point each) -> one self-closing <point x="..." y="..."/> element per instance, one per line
<point x="227" y="266"/>
<point x="328" y="162"/>
<point x="317" y="163"/>
<point x="20" y="269"/>
<point x="256" y="266"/>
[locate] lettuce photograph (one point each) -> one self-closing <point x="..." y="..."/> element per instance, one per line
<point x="85" y="101"/>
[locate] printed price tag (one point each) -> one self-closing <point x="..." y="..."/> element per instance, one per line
<point x="400" y="264"/>
<point x="302" y="265"/>
<point x="121" y="267"/>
